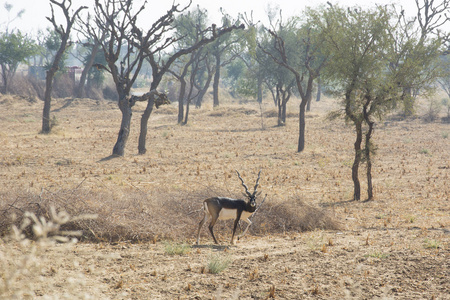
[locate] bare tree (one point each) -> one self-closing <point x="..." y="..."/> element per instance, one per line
<point x="127" y="46"/>
<point x="123" y="45"/>
<point x="181" y="77"/>
<point x="305" y="66"/>
<point x="94" y="47"/>
<point x="427" y="24"/>
<point x="161" y="66"/>
<point x="64" y="33"/>
<point x="222" y="51"/>
<point x="204" y="67"/>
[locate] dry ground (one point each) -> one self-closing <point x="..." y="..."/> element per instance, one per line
<point x="396" y="246"/>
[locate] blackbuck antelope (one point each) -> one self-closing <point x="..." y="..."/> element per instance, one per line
<point x="222" y="208"/>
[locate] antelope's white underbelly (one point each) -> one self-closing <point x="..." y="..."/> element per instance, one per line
<point x="226" y="214"/>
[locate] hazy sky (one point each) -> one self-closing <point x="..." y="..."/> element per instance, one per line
<point x="36" y="10"/>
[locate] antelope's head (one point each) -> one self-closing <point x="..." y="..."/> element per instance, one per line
<point x="251" y="196"/>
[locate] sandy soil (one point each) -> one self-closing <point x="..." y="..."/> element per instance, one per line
<point x="395" y="247"/>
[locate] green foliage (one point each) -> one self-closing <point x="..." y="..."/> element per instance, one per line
<point x="189" y="24"/>
<point x="52" y="42"/>
<point x="377" y="60"/>
<point x="15" y="48"/>
<point x="357" y="43"/>
<point x="96" y="75"/>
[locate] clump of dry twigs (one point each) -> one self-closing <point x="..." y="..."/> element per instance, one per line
<point x="137" y="216"/>
<point x="22" y="260"/>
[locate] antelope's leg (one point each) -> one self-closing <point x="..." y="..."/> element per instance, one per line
<point x="211" y="225"/>
<point x="205" y="216"/>
<point x="238" y="217"/>
<point x="234" y="231"/>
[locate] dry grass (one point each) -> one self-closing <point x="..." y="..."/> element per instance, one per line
<point x="155" y="197"/>
<point x="137" y="216"/>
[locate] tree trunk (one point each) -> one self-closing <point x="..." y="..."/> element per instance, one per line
<point x="259" y="88"/>
<point x="278" y="104"/>
<point x="181" y="100"/>
<point x="46" y="127"/>
<point x="144" y="125"/>
<point x="124" y="132"/>
<point x="4" y="89"/>
<point x="216" y="82"/>
<point x="87" y="67"/>
<point x="369" y="180"/>
<point x="305" y="96"/>
<point x="279" y="121"/>
<point x="302" y="124"/>
<point x="203" y="90"/>
<point x="186" y="117"/>
<point x="308" y="104"/>
<point x="357" y="161"/>
<point x="319" y="89"/>
<point x="283" y="112"/>
<point x="408" y="102"/>
<point x="367" y="149"/>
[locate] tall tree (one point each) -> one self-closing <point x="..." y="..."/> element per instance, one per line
<point x="190" y="28"/>
<point x="427" y="25"/>
<point x="123" y="45"/>
<point x="127" y="46"/>
<point x="444" y="82"/>
<point x="222" y="51"/>
<point x="362" y="46"/>
<point x="160" y="65"/>
<point x="64" y="35"/>
<point x="204" y="74"/>
<point x="305" y="65"/>
<point x="279" y="81"/>
<point x="93" y="47"/>
<point x="15" y="48"/>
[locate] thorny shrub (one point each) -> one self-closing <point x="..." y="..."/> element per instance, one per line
<point x="135" y="215"/>
<point x="22" y="261"/>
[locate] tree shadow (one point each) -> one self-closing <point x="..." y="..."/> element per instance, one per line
<point x="67" y="104"/>
<point x="214" y="247"/>
<point x="112" y="156"/>
<point x="340" y="203"/>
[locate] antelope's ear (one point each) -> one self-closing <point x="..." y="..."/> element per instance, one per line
<point x="257" y="194"/>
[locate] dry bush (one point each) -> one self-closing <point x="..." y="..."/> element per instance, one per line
<point x="273" y="113"/>
<point x="166" y="110"/>
<point x="94" y="93"/>
<point x="28" y="87"/>
<point x="232" y="111"/>
<point x="122" y="215"/>
<point x="135" y="215"/>
<point x="293" y="215"/>
<point x="432" y="113"/>
<point x="22" y="263"/>
<point x="63" y="86"/>
<point x="15" y="203"/>
<point x="110" y="93"/>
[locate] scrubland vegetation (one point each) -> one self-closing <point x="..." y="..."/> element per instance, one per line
<point x="79" y="221"/>
<point x="308" y="240"/>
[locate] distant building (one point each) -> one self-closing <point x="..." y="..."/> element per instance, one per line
<point x="39" y="72"/>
